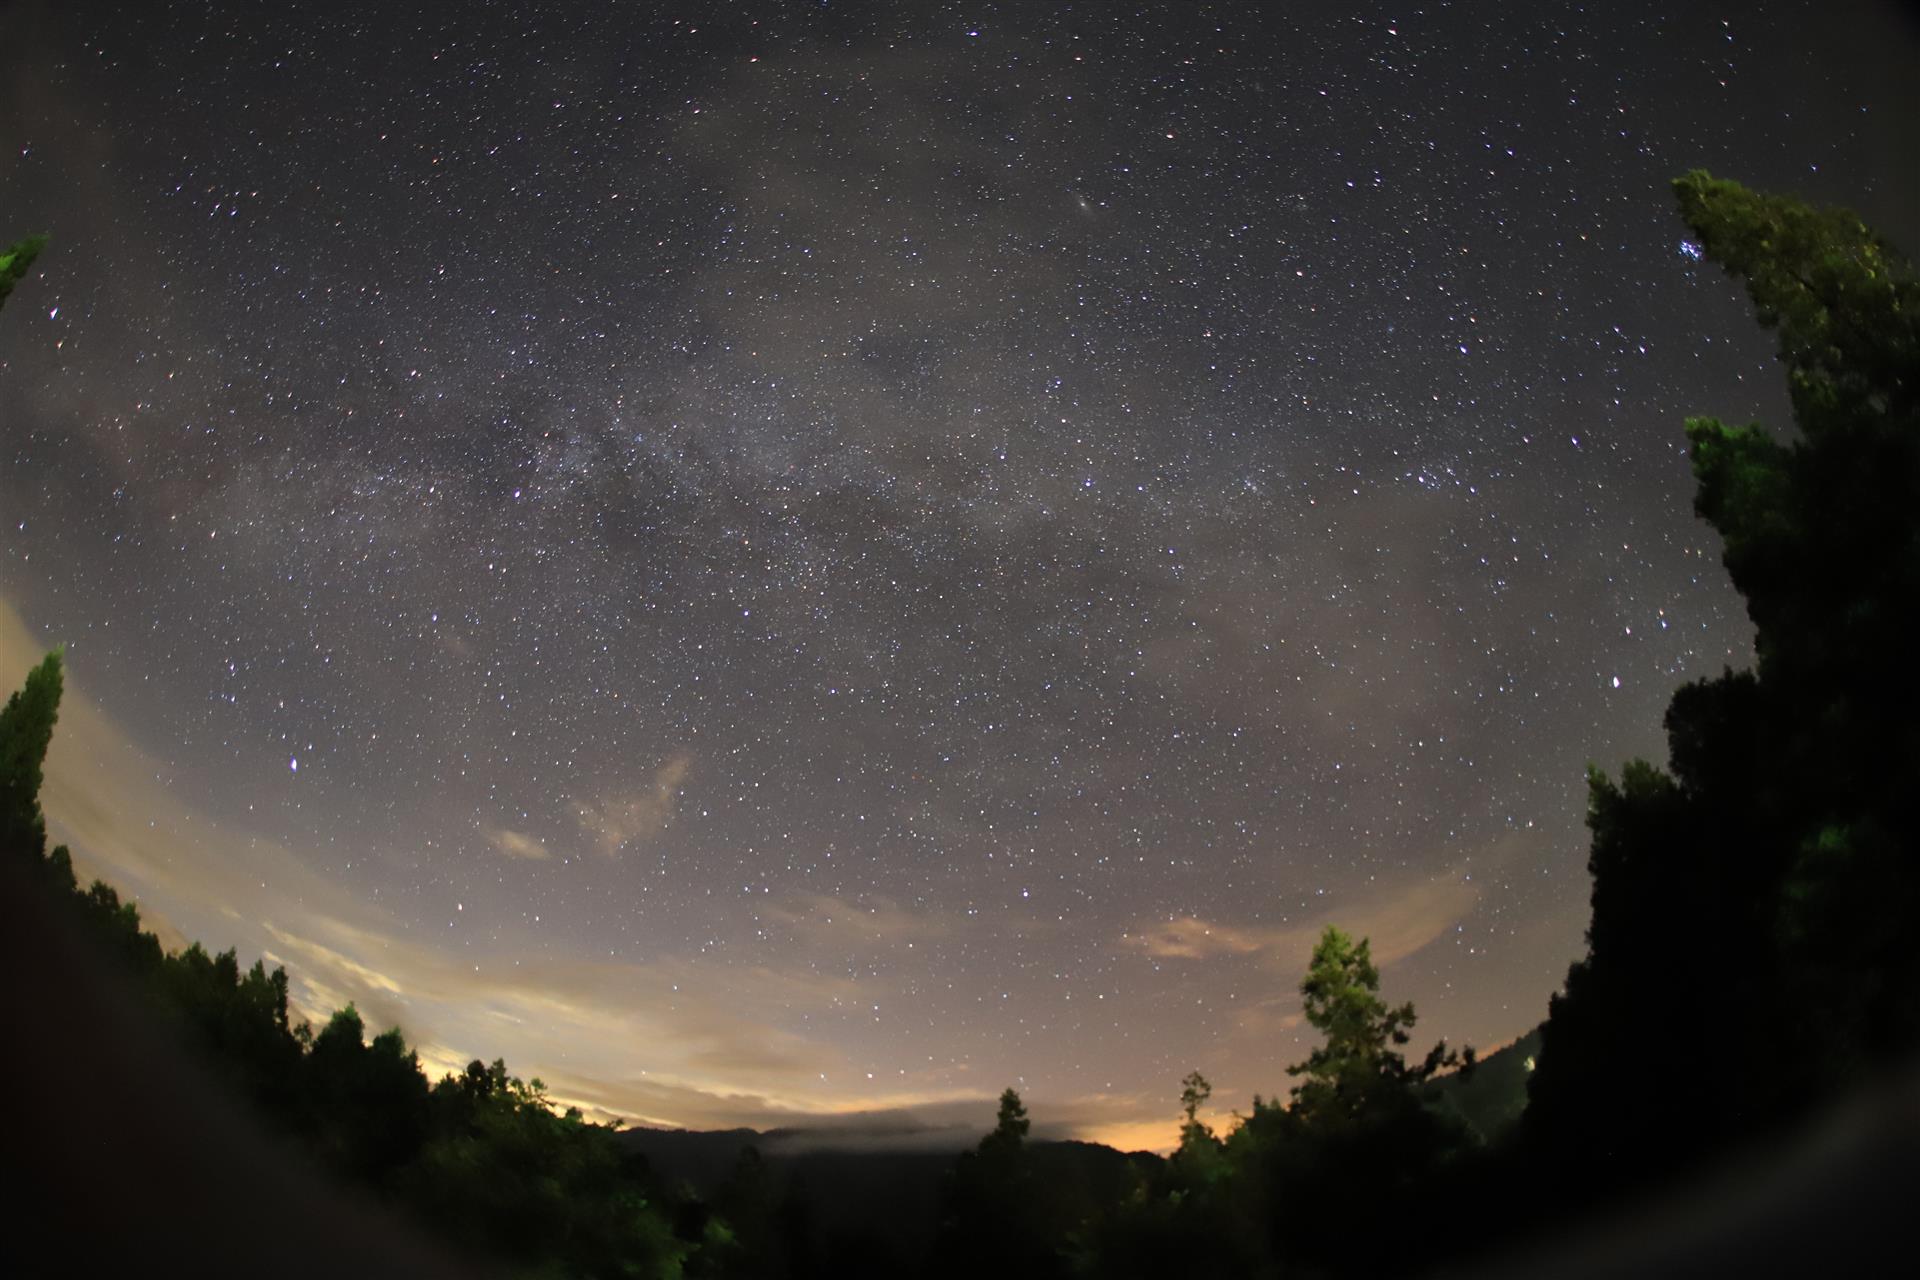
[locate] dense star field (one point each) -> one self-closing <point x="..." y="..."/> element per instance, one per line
<point x="801" y="558"/>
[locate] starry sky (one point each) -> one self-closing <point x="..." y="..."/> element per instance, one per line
<point x="777" y="560"/>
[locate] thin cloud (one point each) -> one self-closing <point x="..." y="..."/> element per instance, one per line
<point x="1397" y="922"/>
<point x="824" y="919"/>
<point x="1191" y="938"/>
<point x="516" y="844"/>
<point x="672" y="1040"/>
<point x="629" y="819"/>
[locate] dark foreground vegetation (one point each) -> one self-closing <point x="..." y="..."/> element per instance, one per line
<point x="1746" y="964"/>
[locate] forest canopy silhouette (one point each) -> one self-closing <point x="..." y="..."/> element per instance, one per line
<point x="1748" y="906"/>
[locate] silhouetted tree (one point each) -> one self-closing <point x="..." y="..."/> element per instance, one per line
<point x="1194" y="1093"/>
<point x="997" y="1217"/>
<point x="1196" y="1163"/>
<point x="1360" y="1145"/>
<point x="763" y="1239"/>
<point x="1010" y="1126"/>
<point x="1338" y="1182"/>
<point x="1749" y="906"/>
<point x="1359" y="1066"/>
<point x="26" y="730"/>
<point x="482" y="1156"/>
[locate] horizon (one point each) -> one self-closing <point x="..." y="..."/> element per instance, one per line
<point x="824" y="565"/>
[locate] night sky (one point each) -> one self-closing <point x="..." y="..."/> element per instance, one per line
<point x="818" y="557"/>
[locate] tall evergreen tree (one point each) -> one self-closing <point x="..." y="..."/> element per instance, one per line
<point x="1195" y="1091"/>
<point x="26" y="730"/>
<point x="1010" y="1125"/>
<point x="1311" y="1184"/>
<point x="995" y="1215"/>
<point x="1359" y="1067"/>
<point x="1748" y="906"/>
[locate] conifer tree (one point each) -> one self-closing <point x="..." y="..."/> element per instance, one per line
<point x="26" y="730"/>
<point x="1749" y="904"/>
<point x="1010" y="1125"/>
<point x="1360" y="1066"/>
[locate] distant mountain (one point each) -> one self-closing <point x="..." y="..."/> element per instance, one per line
<point x="704" y="1158"/>
<point x="699" y="1158"/>
<point x="1493" y="1096"/>
<point x="869" y="1192"/>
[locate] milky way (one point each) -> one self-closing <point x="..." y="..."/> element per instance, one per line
<point x="848" y="556"/>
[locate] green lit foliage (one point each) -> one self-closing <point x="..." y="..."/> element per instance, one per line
<point x="1748" y="905"/>
<point x="498" y="1168"/>
<point x="26" y="730"/>
<point x="1359" y="1067"/>
<point x="16" y="261"/>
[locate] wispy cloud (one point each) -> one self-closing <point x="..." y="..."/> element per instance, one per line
<point x="629" y="818"/>
<point x="1191" y="938"/>
<point x="672" y="1040"/>
<point x="516" y="844"/>
<point x="1398" y="921"/>
<point x="822" y="918"/>
<point x="668" y="1040"/>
